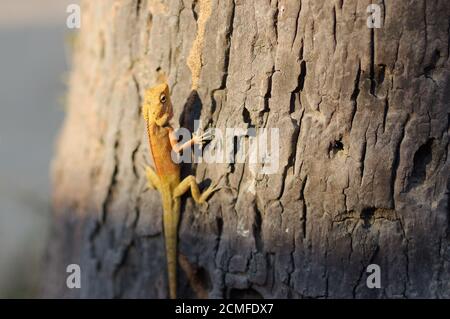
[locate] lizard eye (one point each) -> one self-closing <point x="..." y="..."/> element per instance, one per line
<point x="162" y="98"/>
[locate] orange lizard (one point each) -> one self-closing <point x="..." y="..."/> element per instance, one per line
<point x="157" y="112"/>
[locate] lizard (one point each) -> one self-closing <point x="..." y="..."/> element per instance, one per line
<point x="157" y="111"/>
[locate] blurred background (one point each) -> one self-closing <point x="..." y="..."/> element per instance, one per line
<point x="34" y="55"/>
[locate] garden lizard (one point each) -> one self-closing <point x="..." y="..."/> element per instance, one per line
<point x="157" y="112"/>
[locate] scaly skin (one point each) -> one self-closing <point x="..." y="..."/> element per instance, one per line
<point x="157" y="112"/>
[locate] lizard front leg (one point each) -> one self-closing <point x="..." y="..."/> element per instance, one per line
<point x="190" y="182"/>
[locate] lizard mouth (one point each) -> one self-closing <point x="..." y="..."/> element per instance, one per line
<point x="167" y="109"/>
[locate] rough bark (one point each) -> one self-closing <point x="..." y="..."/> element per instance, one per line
<point x="364" y="168"/>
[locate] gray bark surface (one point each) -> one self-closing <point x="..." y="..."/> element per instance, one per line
<point x="364" y="167"/>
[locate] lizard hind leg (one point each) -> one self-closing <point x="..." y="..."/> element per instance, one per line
<point x="190" y="183"/>
<point x="153" y="180"/>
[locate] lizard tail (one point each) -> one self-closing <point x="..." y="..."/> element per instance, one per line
<point x="170" y="218"/>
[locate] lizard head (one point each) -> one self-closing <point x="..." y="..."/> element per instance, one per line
<point x="157" y="104"/>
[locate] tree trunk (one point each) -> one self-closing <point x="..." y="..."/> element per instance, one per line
<point x="363" y="119"/>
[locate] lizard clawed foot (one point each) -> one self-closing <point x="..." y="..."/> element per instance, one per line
<point x="202" y="138"/>
<point x="204" y="197"/>
<point x="208" y="135"/>
<point x="214" y="187"/>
